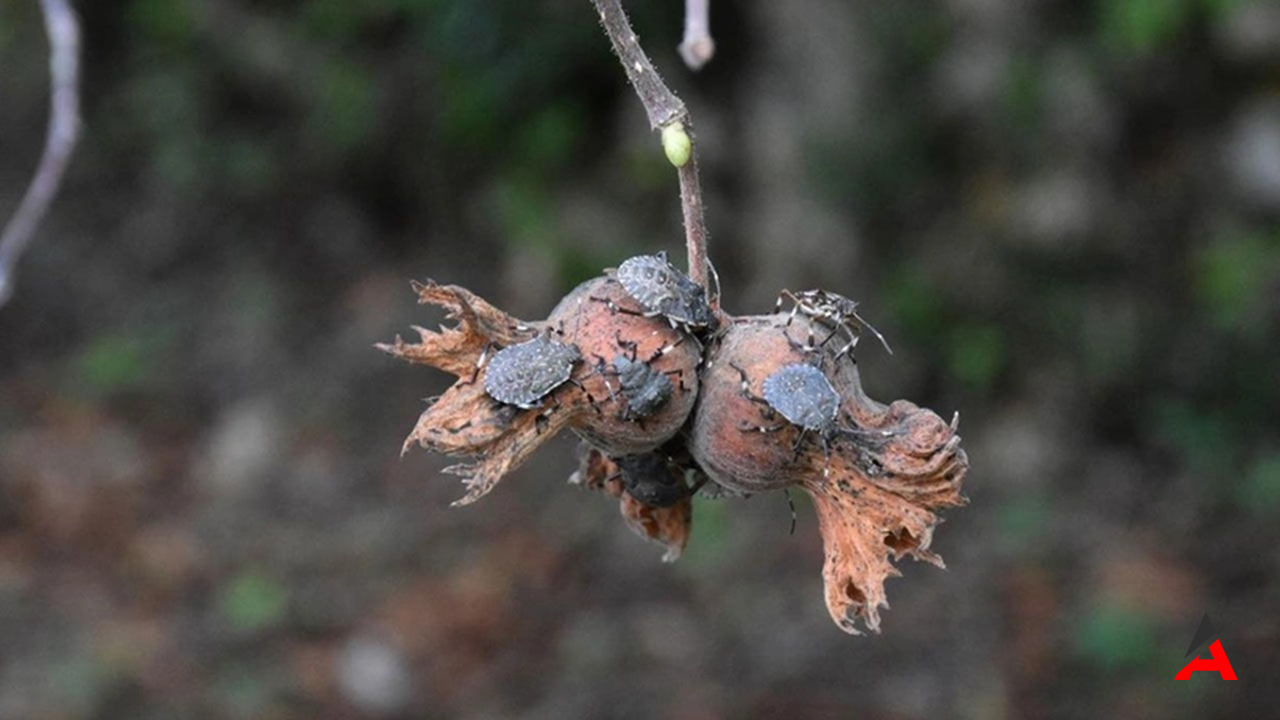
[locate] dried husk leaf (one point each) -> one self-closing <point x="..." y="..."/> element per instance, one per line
<point x="875" y="488"/>
<point x="465" y="420"/>
<point x="876" y="495"/>
<point x="457" y="349"/>
<point x="866" y="518"/>
<point x="666" y="526"/>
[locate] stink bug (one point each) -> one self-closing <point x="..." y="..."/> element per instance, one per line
<point x="522" y="375"/>
<point x="834" y="310"/>
<point x="655" y="480"/>
<point x="663" y="290"/>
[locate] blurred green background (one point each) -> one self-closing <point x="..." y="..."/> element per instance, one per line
<point x="1064" y="215"/>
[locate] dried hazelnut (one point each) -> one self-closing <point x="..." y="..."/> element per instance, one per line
<point x="640" y="373"/>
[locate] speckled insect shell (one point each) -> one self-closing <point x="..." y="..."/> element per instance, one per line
<point x="644" y="388"/>
<point x="662" y="289"/>
<point x="523" y="374"/>
<point x="838" y="310"/>
<point x="830" y="305"/>
<point x="649" y="479"/>
<point x="804" y="396"/>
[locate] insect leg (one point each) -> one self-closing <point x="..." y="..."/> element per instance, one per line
<point x="475" y="374"/>
<point x="590" y="398"/>
<point x="746" y="391"/>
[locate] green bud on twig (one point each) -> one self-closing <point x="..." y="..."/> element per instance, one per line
<point x="676" y="144"/>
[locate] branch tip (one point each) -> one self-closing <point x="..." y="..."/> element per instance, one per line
<point x="665" y="111"/>
<point x="63" y="29"/>
<point x="697" y="48"/>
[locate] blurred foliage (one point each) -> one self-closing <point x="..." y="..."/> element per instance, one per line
<point x="1260" y="492"/>
<point x="708" y="543"/>
<point x="254" y="601"/>
<point x="1140" y="26"/>
<point x="1049" y="208"/>
<point x="111" y="363"/>
<point x="978" y="355"/>
<point x="1205" y="437"/>
<point x="1235" y="278"/>
<point x="1118" y="638"/>
<point x="168" y="27"/>
<point x="919" y="309"/>
<point x="1023" y="524"/>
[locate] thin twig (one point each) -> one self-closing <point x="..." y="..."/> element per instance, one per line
<point x="660" y="103"/>
<point x="664" y="109"/>
<point x="63" y="30"/>
<point x="697" y="48"/>
<point x="695" y="228"/>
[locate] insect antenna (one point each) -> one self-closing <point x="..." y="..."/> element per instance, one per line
<point x="874" y="331"/>
<point x="715" y="278"/>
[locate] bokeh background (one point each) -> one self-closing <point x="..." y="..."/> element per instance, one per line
<point x="1064" y="215"/>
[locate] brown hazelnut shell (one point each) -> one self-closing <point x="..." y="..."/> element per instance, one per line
<point x="603" y="321"/>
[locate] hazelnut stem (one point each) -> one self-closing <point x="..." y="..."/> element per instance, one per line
<point x="664" y="109"/>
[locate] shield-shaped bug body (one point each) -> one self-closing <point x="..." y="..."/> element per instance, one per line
<point x="653" y="479"/>
<point x="523" y="374"/>
<point x="804" y="396"/>
<point x="834" y="310"/>
<point x="644" y="388"/>
<point x="661" y="289"/>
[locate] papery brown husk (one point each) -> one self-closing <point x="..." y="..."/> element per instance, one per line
<point x="666" y="526"/>
<point x="602" y="321"/>
<point x="465" y="420"/>
<point x="875" y="492"/>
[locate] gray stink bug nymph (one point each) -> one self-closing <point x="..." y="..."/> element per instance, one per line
<point x="804" y="396"/>
<point x="654" y="480"/>
<point x="644" y="388"/>
<point x="661" y="289"/>
<point x="523" y="374"/>
<point x="831" y="309"/>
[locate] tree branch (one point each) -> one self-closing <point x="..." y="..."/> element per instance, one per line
<point x="695" y="228"/>
<point x="697" y="48"/>
<point x="665" y="111"/>
<point x="63" y="30"/>
<point x="660" y="103"/>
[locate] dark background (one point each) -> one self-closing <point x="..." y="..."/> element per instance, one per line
<point x="1064" y="215"/>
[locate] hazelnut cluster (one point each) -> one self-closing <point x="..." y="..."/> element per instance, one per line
<point x="673" y="397"/>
